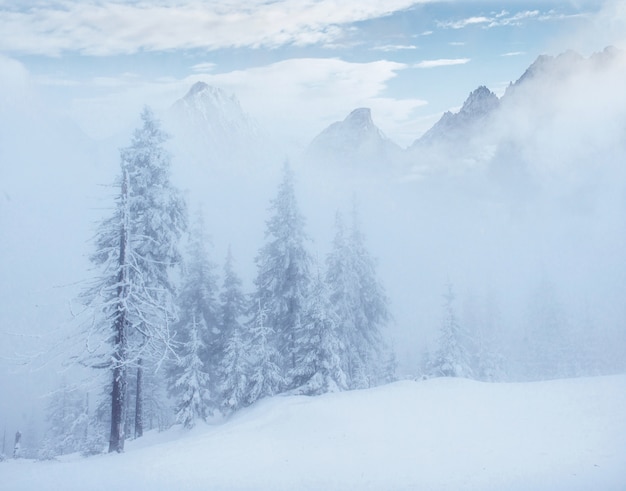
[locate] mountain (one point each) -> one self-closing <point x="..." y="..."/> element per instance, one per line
<point x="210" y="125"/>
<point x="355" y="141"/>
<point x="478" y="106"/>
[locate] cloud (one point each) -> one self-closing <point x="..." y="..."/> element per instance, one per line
<point x="441" y="62"/>
<point x="514" y="53"/>
<point x="104" y="28"/>
<point x="495" y="20"/>
<point x="203" y="67"/>
<point x="603" y="28"/>
<point x="395" y="47"/>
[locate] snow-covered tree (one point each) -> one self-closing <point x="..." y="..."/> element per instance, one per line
<point x="319" y="348"/>
<point x="192" y="384"/>
<point x="233" y="365"/>
<point x="283" y="276"/>
<point x="264" y="375"/>
<point x="359" y="302"/>
<point x="452" y="358"/>
<point x="198" y="319"/>
<point x="68" y="422"/>
<point x="136" y="249"/>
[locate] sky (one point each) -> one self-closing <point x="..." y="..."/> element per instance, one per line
<point x="295" y="65"/>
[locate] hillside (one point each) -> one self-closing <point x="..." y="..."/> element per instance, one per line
<point x="439" y="434"/>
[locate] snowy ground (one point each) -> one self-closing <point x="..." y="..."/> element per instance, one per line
<point x="442" y="434"/>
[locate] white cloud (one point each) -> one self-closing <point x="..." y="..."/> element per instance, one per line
<point x="514" y="53"/>
<point x="112" y="27"/>
<point x="206" y="67"/>
<point x="395" y="47"/>
<point x="441" y="62"/>
<point x="495" y="20"/>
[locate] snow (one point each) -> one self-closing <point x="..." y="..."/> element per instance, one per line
<point x="438" y="434"/>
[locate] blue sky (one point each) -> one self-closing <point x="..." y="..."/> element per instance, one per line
<point x="295" y="65"/>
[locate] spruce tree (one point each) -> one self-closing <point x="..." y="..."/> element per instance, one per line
<point x="283" y="276"/>
<point x="233" y="365"/>
<point x="198" y="305"/>
<point x="136" y="249"/>
<point x="359" y="303"/>
<point x="452" y="358"/>
<point x="319" y="349"/>
<point x="264" y="374"/>
<point x="192" y="383"/>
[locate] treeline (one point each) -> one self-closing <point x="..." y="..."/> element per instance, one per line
<point x="165" y="327"/>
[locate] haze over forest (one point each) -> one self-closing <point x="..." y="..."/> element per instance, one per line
<point x="504" y="218"/>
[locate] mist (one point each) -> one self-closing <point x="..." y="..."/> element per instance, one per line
<point x="524" y="218"/>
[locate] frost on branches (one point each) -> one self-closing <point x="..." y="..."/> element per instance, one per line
<point x="452" y="358"/>
<point x="233" y="365"/>
<point x="198" y="341"/>
<point x="320" y="350"/>
<point x="136" y="249"/>
<point x="191" y="385"/>
<point x="360" y="305"/>
<point x="283" y="276"/>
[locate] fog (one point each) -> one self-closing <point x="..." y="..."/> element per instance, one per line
<point x="527" y="214"/>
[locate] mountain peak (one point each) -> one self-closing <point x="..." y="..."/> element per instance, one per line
<point x="197" y="88"/>
<point x="480" y="102"/>
<point x="209" y="118"/>
<point x="360" y="117"/>
<point x="476" y="108"/>
<point x="355" y="139"/>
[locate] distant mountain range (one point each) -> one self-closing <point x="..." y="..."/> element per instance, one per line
<point x="213" y="126"/>
<point x="463" y="136"/>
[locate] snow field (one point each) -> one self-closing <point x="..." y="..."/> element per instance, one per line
<point x="438" y="434"/>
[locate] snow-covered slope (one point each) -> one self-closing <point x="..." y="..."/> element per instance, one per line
<point x="440" y="434"/>
<point x="354" y="141"/>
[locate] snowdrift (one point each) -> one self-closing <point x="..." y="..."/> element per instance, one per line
<point x="440" y="434"/>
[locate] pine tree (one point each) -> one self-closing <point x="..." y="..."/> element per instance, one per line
<point x="198" y="306"/>
<point x="192" y="384"/>
<point x="264" y="375"/>
<point x="319" y="348"/>
<point x="451" y="358"/>
<point x="233" y="367"/>
<point x="136" y="250"/>
<point x="283" y="277"/>
<point x="360" y="304"/>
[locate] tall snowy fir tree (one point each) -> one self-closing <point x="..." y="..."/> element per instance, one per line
<point x="198" y="317"/>
<point x="136" y="249"/>
<point x="192" y="384"/>
<point x="264" y="374"/>
<point x="283" y="277"/>
<point x="452" y="358"/>
<point x="233" y="364"/>
<point x="319" y="352"/>
<point x="360" y="305"/>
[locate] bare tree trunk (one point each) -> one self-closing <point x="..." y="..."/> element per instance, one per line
<point x="139" y="401"/>
<point x="120" y="355"/>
